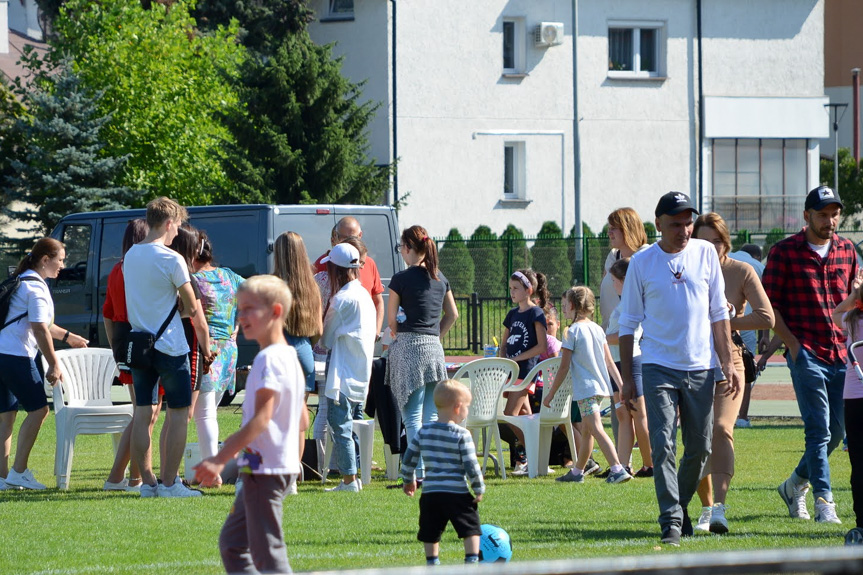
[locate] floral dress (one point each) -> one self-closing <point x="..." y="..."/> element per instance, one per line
<point x="219" y="299"/>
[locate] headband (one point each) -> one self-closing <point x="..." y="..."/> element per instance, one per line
<point x="523" y="279"/>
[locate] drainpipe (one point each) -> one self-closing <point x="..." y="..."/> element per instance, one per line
<point x="700" y="159"/>
<point x="395" y="120"/>
<point x="855" y="90"/>
<point x="576" y="142"/>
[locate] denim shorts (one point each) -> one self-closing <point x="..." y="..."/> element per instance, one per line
<point x="20" y="382"/>
<point x="174" y="375"/>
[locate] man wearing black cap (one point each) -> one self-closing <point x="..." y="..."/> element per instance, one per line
<point x="807" y="276"/>
<point x="675" y="290"/>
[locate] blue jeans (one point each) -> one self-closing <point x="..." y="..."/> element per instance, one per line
<point x="340" y="417"/>
<point x="819" y="387"/>
<point x="419" y="409"/>
<point x="665" y="391"/>
<point x="176" y="379"/>
<point x="303" y="347"/>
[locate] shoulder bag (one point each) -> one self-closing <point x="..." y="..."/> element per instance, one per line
<point x="139" y="348"/>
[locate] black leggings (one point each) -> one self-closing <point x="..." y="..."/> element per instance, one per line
<point x="854" y="432"/>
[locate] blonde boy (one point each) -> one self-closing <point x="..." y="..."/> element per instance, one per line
<point x="274" y="415"/>
<point x="448" y="451"/>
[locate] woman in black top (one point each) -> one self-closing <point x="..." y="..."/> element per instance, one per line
<point x="416" y="360"/>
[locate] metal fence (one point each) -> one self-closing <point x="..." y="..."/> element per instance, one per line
<point x="479" y="271"/>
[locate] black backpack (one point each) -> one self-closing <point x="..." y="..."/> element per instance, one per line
<point x="7" y="289"/>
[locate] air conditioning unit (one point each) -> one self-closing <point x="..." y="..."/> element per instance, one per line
<point x="548" y="34"/>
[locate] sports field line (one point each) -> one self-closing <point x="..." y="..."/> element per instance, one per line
<point x="131" y="567"/>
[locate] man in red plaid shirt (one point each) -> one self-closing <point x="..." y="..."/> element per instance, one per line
<point x="807" y="276"/>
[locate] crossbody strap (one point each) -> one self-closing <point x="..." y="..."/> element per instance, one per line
<point x="167" y="321"/>
<point x="13" y="320"/>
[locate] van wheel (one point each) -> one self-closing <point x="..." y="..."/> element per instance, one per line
<point x="227" y="398"/>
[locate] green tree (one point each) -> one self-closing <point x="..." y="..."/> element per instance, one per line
<point x="301" y="134"/>
<point x="264" y="24"/>
<point x="456" y="264"/>
<point x="773" y="236"/>
<point x="516" y="254"/>
<point x="165" y="86"/>
<point x="850" y="183"/>
<point x="11" y="110"/>
<point x="60" y="166"/>
<point x="487" y="254"/>
<point x="550" y="256"/>
<point x="650" y="230"/>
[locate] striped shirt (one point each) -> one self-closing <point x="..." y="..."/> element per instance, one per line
<point x="450" y="459"/>
<point x="806" y="289"/>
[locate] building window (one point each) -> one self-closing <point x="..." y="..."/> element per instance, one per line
<point x="341" y="9"/>
<point x="513" y="46"/>
<point x="635" y="50"/>
<point x="759" y="184"/>
<point x="513" y="171"/>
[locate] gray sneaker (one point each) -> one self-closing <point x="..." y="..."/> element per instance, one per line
<point x="149" y="490"/>
<point x="570" y="477"/>
<point x="592" y="467"/>
<point x="177" y="490"/>
<point x="795" y="498"/>
<point x="620" y="477"/>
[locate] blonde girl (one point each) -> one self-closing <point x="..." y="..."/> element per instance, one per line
<point x="586" y="356"/>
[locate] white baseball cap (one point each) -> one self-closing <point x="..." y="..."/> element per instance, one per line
<point x="343" y="255"/>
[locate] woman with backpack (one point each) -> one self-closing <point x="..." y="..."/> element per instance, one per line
<point x="29" y="327"/>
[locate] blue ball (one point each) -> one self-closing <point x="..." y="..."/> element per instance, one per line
<point x="494" y="545"/>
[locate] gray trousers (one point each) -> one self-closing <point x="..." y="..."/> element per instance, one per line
<point x="251" y="540"/>
<point x="665" y="391"/>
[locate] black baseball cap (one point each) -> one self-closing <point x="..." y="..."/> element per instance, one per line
<point x="820" y="197"/>
<point x="673" y="203"/>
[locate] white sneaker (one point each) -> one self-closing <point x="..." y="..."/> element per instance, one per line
<point x="177" y="490"/>
<point x="23" y="480"/>
<point x="794" y="497"/>
<point x="292" y="486"/>
<point x="825" y="512"/>
<point x="121" y="486"/>
<point x="353" y="487"/>
<point x="520" y="469"/>
<point x="148" y="490"/>
<point x="718" y="522"/>
<point x="703" y="524"/>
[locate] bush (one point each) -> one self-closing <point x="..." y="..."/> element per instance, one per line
<point x="773" y="236"/>
<point x="650" y="230"/>
<point x="517" y="256"/>
<point x="550" y="256"/>
<point x="456" y="264"/>
<point x="487" y="253"/>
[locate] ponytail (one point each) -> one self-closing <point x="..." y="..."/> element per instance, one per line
<point x="417" y="239"/>
<point x="44" y="247"/>
<point x="542" y="296"/>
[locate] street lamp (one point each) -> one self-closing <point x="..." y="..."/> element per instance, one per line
<point x="836" y="118"/>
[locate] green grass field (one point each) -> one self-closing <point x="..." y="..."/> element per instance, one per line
<point x="85" y="530"/>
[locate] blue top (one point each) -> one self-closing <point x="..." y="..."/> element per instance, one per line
<point x="522" y="336"/>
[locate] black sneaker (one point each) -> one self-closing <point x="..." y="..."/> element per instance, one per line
<point x="644" y="472"/>
<point x="671" y="536"/>
<point x="591" y="467"/>
<point x="604" y="474"/>
<point x="686" y="527"/>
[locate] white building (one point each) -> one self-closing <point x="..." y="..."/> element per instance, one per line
<point x="484" y="114"/>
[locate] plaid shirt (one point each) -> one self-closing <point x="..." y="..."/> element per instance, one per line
<point x="806" y="290"/>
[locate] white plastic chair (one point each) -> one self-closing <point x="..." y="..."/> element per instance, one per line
<point x="365" y="431"/>
<point x="82" y="404"/>
<point x="538" y="427"/>
<point x="486" y="378"/>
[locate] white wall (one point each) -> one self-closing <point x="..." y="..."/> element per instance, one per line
<point x="4" y="27"/>
<point x="23" y="18"/>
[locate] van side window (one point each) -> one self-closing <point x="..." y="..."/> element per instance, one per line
<point x="77" y="241"/>
<point x="112" y="247"/>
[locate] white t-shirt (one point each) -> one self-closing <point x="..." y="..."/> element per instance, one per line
<point x="349" y="331"/>
<point x="153" y="272"/>
<point x="32" y="297"/>
<point x="614" y="328"/>
<point x="276" y="451"/>
<point x="587" y="368"/>
<point x="676" y="298"/>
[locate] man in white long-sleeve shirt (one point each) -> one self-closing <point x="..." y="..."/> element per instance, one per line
<point x="675" y="290"/>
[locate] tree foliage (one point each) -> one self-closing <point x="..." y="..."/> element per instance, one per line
<point x="301" y="135"/>
<point x="59" y="165"/>
<point x="517" y="256"/>
<point x="164" y="84"/>
<point x="456" y="264"/>
<point x="550" y="256"/>
<point x="487" y="254"/>
<point x="263" y="23"/>
<point x="850" y="183"/>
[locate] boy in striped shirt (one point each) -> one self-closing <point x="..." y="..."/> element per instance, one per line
<point x="450" y="459"/>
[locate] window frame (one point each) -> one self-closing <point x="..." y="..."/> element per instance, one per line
<point x="635" y="27"/>
<point x="519" y="172"/>
<point x="333" y="14"/>
<point x="519" y="46"/>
